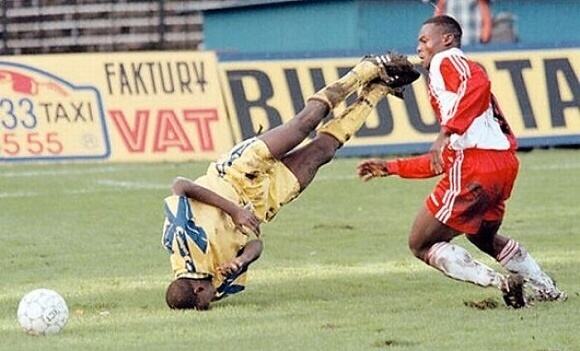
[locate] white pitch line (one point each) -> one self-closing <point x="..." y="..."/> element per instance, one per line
<point x="132" y="185"/>
<point x="83" y="191"/>
<point x="18" y="194"/>
<point x="158" y="186"/>
<point x="67" y="171"/>
<point x="105" y="182"/>
<point x="61" y="172"/>
<point x="21" y="194"/>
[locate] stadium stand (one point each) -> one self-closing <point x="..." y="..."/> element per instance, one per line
<point x="52" y="26"/>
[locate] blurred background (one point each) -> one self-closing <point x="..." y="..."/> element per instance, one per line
<point x="274" y="26"/>
<point x="240" y="67"/>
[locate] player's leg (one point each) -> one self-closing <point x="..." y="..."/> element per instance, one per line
<point x="456" y="206"/>
<point x="252" y="167"/>
<point x="305" y="161"/>
<point x="284" y="138"/>
<point x="516" y="259"/>
<point x="508" y="252"/>
<point x="430" y="241"/>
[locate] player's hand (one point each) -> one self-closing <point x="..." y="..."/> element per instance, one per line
<point x="232" y="267"/>
<point x="246" y="221"/>
<point x="436" y="152"/>
<point x="369" y="169"/>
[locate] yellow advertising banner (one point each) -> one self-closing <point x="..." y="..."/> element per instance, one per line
<point x="538" y="91"/>
<point x="143" y="106"/>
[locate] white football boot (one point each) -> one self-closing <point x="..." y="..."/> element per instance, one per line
<point x="542" y="288"/>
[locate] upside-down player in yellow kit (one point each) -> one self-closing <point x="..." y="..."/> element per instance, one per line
<point x="212" y="224"/>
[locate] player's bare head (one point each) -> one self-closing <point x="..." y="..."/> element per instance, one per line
<point x="437" y="34"/>
<point x="448" y="26"/>
<point x="187" y="293"/>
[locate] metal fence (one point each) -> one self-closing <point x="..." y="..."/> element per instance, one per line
<point x="51" y="26"/>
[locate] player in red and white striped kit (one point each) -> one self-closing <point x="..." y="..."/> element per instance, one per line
<point x="475" y="150"/>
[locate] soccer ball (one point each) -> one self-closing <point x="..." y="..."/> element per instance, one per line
<point x="42" y="312"/>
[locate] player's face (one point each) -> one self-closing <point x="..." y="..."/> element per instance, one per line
<point x="431" y="40"/>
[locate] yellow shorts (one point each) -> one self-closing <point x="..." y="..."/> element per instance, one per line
<point x="260" y="179"/>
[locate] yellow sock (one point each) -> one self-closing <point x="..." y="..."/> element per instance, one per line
<point x="344" y="126"/>
<point x="357" y="77"/>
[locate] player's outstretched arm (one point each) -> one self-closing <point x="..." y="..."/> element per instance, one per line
<point x="416" y="167"/>
<point x="251" y="252"/>
<point x="369" y="169"/>
<point x="243" y="218"/>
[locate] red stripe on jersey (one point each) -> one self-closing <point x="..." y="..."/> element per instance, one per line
<point x="452" y="78"/>
<point x="469" y="82"/>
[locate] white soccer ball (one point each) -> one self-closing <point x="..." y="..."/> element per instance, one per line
<point x="42" y="312"/>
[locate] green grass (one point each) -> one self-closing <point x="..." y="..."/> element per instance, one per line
<point x="336" y="273"/>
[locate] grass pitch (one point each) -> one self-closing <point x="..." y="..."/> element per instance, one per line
<point x="336" y="273"/>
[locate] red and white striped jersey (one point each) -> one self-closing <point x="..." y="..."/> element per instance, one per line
<point x="460" y="94"/>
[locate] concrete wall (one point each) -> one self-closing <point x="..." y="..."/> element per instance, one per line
<point x="314" y="26"/>
<point x="544" y="22"/>
<point x="298" y="26"/>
